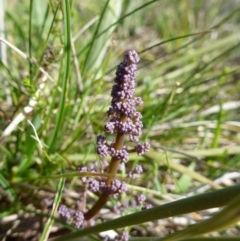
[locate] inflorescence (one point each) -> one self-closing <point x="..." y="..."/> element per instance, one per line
<point x="124" y="120"/>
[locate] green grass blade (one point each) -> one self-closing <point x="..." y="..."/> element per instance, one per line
<point x="182" y="169"/>
<point x="99" y="45"/>
<point x="4" y="183"/>
<point x="67" y="63"/>
<point x="190" y="239"/>
<point x="217" y="134"/>
<point x="50" y="222"/>
<point x="222" y="220"/>
<point x="199" y="202"/>
<point x="30" y="40"/>
<point x="228" y="17"/>
<point x="184" y="182"/>
<point x="173" y="39"/>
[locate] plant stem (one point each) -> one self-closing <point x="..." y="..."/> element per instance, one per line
<point x="113" y="168"/>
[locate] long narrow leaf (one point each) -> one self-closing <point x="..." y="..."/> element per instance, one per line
<point x="182" y="169"/>
<point x="57" y="199"/>
<point x="67" y="63"/>
<point x="192" y="204"/>
<point x="222" y="220"/>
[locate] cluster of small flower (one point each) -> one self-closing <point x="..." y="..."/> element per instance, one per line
<point x="64" y="212"/>
<point x="116" y="187"/>
<point x="140" y="199"/>
<point x="123" y="103"/>
<point x="124" y="120"/>
<point x="68" y="214"/>
<point x="104" y="150"/>
<point x="134" y="202"/>
<point x="138" y="170"/>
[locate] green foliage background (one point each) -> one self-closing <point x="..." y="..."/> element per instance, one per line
<point x="188" y="78"/>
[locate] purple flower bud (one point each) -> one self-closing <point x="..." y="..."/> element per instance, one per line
<point x="123" y="237"/>
<point x="82" y="168"/>
<point x="133" y="202"/>
<point x="133" y="138"/>
<point x="112" y="150"/>
<point x="106" y="238"/>
<point x="109" y="127"/>
<point x="133" y="56"/>
<point x="93" y="167"/>
<point x="141" y="148"/>
<point x="138" y="101"/>
<point x="78" y="219"/>
<point x="102" y="150"/>
<point x="93" y="184"/>
<point x="131" y="175"/>
<point x="64" y="212"/>
<point x="104" y="164"/>
<point x="101" y="140"/>
<point x="140" y="199"/>
<point x="125" y="204"/>
<point x="138" y="169"/>
<point x="147" y="206"/>
<point x="122" y="155"/>
<point x="117" y="187"/>
<point x="47" y="202"/>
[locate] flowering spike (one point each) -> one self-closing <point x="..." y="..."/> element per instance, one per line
<point x="124" y="120"/>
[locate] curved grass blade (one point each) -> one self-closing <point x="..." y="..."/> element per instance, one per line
<point x="187" y="205"/>
<point x="190" y="239"/>
<point x="67" y="63"/>
<point x="222" y="220"/>
<point x="98" y="47"/>
<point x="4" y="183"/>
<point x="57" y="199"/>
<point x="182" y="169"/>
